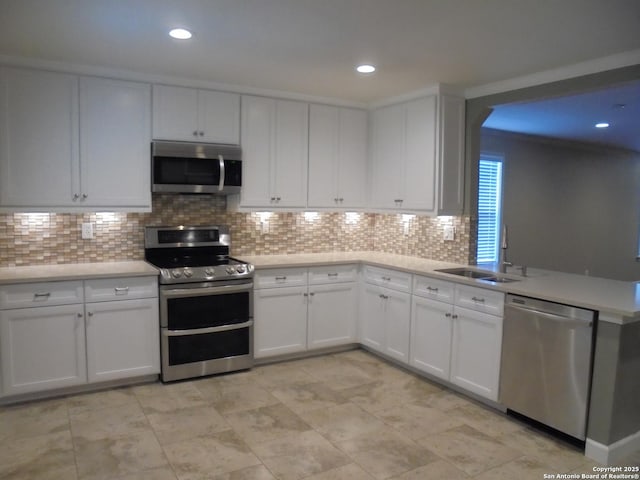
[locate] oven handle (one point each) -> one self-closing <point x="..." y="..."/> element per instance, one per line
<point x="199" y="292"/>
<point x="198" y="331"/>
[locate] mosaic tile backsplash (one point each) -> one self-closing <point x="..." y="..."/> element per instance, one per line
<point x="50" y="238"/>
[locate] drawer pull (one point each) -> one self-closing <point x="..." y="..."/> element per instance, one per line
<point x="384" y="297"/>
<point x="477" y="299"/>
<point x="386" y="279"/>
<point x="281" y="278"/>
<point x="41" y="295"/>
<point x="448" y="315"/>
<point x="332" y="274"/>
<point x="121" y="290"/>
<point x="432" y="289"/>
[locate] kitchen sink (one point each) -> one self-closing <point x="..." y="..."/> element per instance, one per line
<point x="482" y="275"/>
<point x="467" y="272"/>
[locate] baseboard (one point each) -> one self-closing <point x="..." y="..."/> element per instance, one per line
<point x="614" y="453"/>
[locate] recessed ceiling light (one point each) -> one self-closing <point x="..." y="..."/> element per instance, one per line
<point x="602" y="125"/>
<point x="180" y="33"/>
<point x="365" y="69"/>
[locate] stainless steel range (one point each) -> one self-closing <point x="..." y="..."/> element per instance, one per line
<point x="206" y="301"/>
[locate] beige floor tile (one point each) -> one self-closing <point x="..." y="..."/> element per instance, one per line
<point x="352" y="471"/>
<point x="470" y="450"/>
<point x="384" y="453"/>
<point x="227" y="397"/>
<point x="309" y="396"/>
<point x="109" y="422"/>
<point x="342" y="422"/>
<point x="445" y="401"/>
<point x="201" y="458"/>
<point x="523" y="468"/>
<point x="31" y="419"/>
<point x="339" y="374"/>
<point x="112" y="457"/>
<point x="94" y="401"/>
<point x="257" y="472"/>
<point x="415" y="420"/>
<point x="489" y="421"/>
<point x="158" y="397"/>
<point x="437" y="470"/>
<point x="42" y="457"/>
<point x="374" y="367"/>
<point x="186" y="423"/>
<point x="280" y="374"/>
<point x="163" y="473"/>
<point x="266" y="423"/>
<point x="300" y="455"/>
<point x="550" y="451"/>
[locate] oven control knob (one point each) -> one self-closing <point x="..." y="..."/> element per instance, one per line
<point x="230" y="270"/>
<point x="240" y="269"/>
<point x="209" y="272"/>
<point x="188" y="272"/>
<point x="175" y="273"/>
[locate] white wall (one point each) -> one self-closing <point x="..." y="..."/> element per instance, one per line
<point x="570" y="207"/>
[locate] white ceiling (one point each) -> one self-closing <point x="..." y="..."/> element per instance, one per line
<point x="311" y="46"/>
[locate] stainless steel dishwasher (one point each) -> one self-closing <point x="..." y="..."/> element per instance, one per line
<point x="546" y="362"/>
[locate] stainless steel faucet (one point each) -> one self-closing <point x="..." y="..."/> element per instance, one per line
<point x="503" y="252"/>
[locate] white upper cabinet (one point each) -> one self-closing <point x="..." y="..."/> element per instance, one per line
<point x="39" y="157"/>
<point x="194" y="115"/>
<point x="337" y="157"/>
<point x="73" y="143"/>
<point x="418" y="156"/>
<point x="114" y="142"/>
<point x="275" y="153"/>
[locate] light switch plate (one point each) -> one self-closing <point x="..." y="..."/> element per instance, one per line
<point x="449" y="233"/>
<point x="87" y="231"/>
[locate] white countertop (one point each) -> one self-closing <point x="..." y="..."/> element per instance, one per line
<point x="75" y="271"/>
<point x="618" y="301"/>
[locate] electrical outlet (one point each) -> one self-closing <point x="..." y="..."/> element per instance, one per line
<point x="87" y="231"/>
<point x="449" y="233"/>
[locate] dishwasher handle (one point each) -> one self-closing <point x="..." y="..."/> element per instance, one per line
<point x="566" y="320"/>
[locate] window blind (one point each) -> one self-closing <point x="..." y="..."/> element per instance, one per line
<point x="489" y="205"/>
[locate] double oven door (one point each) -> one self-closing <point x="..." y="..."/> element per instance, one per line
<point x="206" y="328"/>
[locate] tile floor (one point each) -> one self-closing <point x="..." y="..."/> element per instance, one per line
<point x="342" y="416"/>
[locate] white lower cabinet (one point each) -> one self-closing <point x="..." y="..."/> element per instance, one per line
<point x="42" y="348"/>
<point x="47" y="342"/>
<point x="122" y="339"/>
<point x="386" y="313"/>
<point x="458" y="344"/>
<point x="297" y="310"/>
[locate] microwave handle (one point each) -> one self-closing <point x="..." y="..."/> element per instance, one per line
<point x="221" y="184"/>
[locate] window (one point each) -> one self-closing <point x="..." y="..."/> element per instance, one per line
<point x="489" y="208"/>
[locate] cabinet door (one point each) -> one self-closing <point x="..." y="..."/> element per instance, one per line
<point x="397" y="310"/>
<point x="332" y="315"/>
<point x="280" y="321"/>
<point x="218" y="117"/>
<point x="372" y="317"/>
<point x="475" y="352"/>
<point x="175" y="114"/>
<point x="451" y="153"/>
<point x="115" y="129"/>
<point x="352" y="158"/>
<point x="388" y="154"/>
<point x="420" y="162"/>
<point x="291" y="154"/>
<point x="38" y="138"/>
<point x="122" y="339"/>
<point x="323" y="156"/>
<point x="431" y="327"/>
<point x="258" y="150"/>
<point x="42" y="348"/>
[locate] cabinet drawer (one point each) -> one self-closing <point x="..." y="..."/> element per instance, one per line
<point x="388" y="278"/>
<point x="335" y="274"/>
<point x="126" y="288"/>
<point x="480" y="299"/>
<point x="434" y="289"/>
<point x="40" y="294"/>
<point x="280" y="277"/>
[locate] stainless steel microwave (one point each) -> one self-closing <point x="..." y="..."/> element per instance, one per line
<point x="185" y="167"/>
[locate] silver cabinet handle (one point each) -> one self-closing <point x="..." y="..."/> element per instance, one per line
<point x="42" y="295"/>
<point x="90" y="314"/>
<point x="221" y="182"/>
<point x="84" y="196"/>
<point x="312" y="294"/>
<point x="195" y="133"/>
<point x="278" y="199"/>
<point x="448" y="315"/>
<point x="76" y="197"/>
<point x="432" y="289"/>
<point x="384" y="297"/>
<point x="332" y="274"/>
<point x="477" y="299"/>
<point x="281" y="278"/>
<point x="305" y="294"/>
<point x="79" y="315"/>
<point x="121" y="290"/>
<point x="201" y="133"/>
<point x="454" y="316"/>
